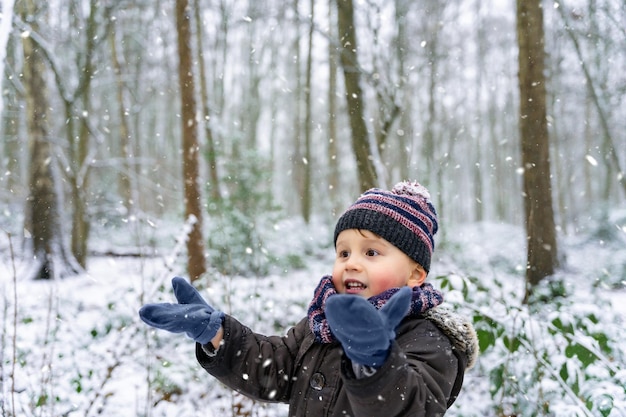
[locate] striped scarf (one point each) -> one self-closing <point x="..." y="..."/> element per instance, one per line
<point x="424" y="298"/>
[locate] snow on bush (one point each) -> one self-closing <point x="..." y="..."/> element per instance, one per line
<point x="76" y="347"/>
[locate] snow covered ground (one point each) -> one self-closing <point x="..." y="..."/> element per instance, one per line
<point x="76" y="347"/>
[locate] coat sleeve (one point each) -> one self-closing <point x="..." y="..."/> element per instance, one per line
<point x="415" y="381"/>
<point x="260" y="367"/>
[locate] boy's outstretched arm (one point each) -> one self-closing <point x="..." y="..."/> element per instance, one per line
<point x="258" y="366"/>
<point x="266" y="379"/>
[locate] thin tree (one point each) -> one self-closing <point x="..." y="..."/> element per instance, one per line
<point x="402" y="45"/>
<point x="481" y="36"/>
<point x="51" y="257"/>
<point x="297" y="154"/>
<point x="333" y="151"/>
<point x="79" y="134"/>
<point x="388" y="88"/>
<point x="614" y="169"/>
<point x="539" y="215"/>
<point x="196" y="263"/>
<point x="432" y="82"/>
<point x="367" y="176"/>
<point x="125" y="177"/>
<point x="211" y="153"/>
<point x="12" y="95"/>
<point x="6" y="24"/>
<point x="308" y="128"/>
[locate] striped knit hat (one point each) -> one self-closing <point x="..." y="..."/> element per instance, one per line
<point x="404" y="216"/>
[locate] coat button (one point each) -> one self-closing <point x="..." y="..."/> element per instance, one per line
<point x="317" y="381"/>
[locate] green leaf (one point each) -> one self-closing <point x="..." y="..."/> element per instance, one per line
<point x="78" y="386"/>
<point x="565" y="328"/>
<point x="42" y="400"/>
<point x="512" y="344"/>
<point x="486" y="338"/>
<point x="497" y="378"/>
<point x="603" y="341"/>
<point x="583" y="354"/>
<point x="563" y="372"/>
<point x="445" y="282"/>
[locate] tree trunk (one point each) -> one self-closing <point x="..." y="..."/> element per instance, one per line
<point x="540" y="229"/>
<point x="80" y="195"/>
<point x="367" y="176"/>
<point x="478" y="169"/>
<point x="297" y="154"/>
<point x="51" y="258"/>
<point x="308" y="157"/>
<point x="11" y="115"/>
<point x="402" y="47"/>
<point x="428" y="152"/>
<point x="333" y="151"/>
<point x="195" y="245"/>
<point x="211" y="153"/>
<point x="125" y="176"/>
<point x="432" y="132"/>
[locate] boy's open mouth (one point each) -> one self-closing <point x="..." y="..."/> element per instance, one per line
<point x="353" y="286"/>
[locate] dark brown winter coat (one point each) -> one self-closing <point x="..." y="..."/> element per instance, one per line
<point x="422" y="376"/>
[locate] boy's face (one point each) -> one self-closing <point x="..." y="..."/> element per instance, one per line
<point x="366" y="265"/>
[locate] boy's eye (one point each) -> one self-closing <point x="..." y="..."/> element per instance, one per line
<point x="371" y="252"/>
<point x="343" y="254"/>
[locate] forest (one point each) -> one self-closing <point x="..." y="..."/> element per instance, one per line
<point x="190" y="133"/>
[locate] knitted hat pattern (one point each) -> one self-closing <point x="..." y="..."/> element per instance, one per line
<point x="404" y="216"/>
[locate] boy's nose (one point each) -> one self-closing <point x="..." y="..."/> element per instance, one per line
<point x="353" y="263"/>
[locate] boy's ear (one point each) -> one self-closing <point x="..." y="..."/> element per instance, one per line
<point x="417" y="278"/>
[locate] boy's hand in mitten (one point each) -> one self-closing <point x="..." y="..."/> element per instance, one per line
<point x="191" y="315"/>
<point x="366" y="333"/>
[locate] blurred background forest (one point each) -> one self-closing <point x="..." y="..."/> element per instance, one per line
<point x="241" y="129"/>
<point x="272" y="126"/>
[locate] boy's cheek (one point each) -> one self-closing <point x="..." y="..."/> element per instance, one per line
<point x="338" y="283"/>
<point x="383" y="283"/>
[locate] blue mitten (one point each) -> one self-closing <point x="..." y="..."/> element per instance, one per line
<point x="366" y="333"/>
<point x="191" y="315"/>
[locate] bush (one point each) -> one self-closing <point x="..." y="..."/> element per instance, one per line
<point x="552" y="357"/>
<point x="235" y="241"/>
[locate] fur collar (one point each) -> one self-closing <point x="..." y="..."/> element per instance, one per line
<point x="458" y="329"/>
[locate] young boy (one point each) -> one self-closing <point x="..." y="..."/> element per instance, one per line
<point x="374" y="344"/>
